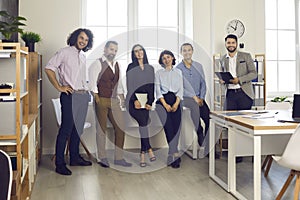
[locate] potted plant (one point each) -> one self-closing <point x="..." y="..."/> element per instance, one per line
<point x="278" y="103"/>
<point x="30" y="38"/>
<point x="10" y="24"/>
<point x="279" y="99"/>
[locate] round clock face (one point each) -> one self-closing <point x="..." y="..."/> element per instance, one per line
<point x="235" y="27"/>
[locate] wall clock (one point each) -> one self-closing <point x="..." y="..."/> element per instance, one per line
<point x="235" y="27"/>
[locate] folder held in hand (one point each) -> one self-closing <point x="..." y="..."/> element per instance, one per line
<point x="225" y="76"/>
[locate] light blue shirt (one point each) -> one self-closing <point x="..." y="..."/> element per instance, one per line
<point x="193" y="80"/>
<point x="169" y="81"/>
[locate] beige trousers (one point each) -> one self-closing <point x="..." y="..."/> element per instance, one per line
<point x="109" y="108"/>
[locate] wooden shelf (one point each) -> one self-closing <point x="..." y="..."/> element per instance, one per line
<point x="22" y="68"/>
<point x="24" y="170"/>
<point x="11" y="52"/>
<point x="8" y="143"/>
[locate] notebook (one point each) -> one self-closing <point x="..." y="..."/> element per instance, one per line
<point x="225" y="76"/>
<point x="142" y="97"/>
<point x="296" y="111"/>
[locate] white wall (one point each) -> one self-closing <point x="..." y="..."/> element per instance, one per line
<point x="210" y="20"/>
<point x="55" y="19"/>
<point x="251" y="13"/>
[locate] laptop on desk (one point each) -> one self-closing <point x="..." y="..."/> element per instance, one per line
<point x="296" y="111"/>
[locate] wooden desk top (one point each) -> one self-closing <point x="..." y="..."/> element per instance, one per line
<point x="254" y="124"/>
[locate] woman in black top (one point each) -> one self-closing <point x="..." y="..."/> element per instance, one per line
<point x="140" y="80"/>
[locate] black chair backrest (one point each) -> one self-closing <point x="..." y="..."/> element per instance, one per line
<point x="296" y="106"/>
<point x="5" y="176"/>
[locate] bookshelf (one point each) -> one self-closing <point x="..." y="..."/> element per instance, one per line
<point x="219" y="89"/>
<point x="218" y="105"/>
<point x="19" y="112"/>
<point x="259" y="85"/>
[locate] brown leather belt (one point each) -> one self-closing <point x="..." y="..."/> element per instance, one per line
<point x="80" y="91"/>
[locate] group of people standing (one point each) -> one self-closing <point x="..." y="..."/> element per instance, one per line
<point x="166" y="84"/>
<point x="173" y="87"/>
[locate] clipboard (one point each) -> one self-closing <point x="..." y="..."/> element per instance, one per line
<point x="225" y="76"/>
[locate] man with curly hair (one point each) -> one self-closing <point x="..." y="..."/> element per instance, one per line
<point x="70" y="64"/>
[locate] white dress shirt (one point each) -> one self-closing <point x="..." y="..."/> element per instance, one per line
<point x="232" y="70"/>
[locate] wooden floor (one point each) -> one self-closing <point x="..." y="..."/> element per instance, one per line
<point x="190" y="182"/>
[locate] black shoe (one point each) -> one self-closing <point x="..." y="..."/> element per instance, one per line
<point x="178" y="159"/>
<point x="63" y="170"/>
<point x="238" y="159"/>
<point x="80" y="162"/>
<point x="176" y="163"/>
<point x="104" y="163"/>
<point x="123" y="163"/>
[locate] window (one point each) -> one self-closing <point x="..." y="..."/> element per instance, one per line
<point x="153" y="24"/>
<point x="281" y="41"/>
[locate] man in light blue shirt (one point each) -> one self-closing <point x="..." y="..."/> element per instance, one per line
<point x="194" y="92"/>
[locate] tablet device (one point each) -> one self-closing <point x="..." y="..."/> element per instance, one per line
<point x="225" y="76"/>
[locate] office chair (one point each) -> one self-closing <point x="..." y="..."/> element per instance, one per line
<point x="6" y="176"/>
<point x="57" y="108"/>
<point x="291" y="159"/>
<point x="273" y="106"/>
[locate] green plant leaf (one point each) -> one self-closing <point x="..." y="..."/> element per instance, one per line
<point x="10" y="24"/>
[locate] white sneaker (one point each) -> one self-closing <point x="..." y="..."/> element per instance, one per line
<point x="201" y="153"/>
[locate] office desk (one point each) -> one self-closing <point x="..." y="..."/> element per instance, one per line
<point x="247" y="137"/>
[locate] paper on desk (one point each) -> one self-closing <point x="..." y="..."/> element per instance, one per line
<point x="142" y="98"/>
<point x="259" y="116"/>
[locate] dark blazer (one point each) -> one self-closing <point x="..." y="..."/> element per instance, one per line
<point x="245" y="70"/>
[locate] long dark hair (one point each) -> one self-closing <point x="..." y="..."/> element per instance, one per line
<point x="72" y="39"/>
<point x="135" y="61"/>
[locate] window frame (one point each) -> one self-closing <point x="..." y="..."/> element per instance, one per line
<point x="297" y="57"/>
<point x="183" y="22"/>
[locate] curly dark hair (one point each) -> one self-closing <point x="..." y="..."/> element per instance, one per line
<point x="72" y="39"/>
<point x="168" y="53"/>
<point x="133" y="57"/>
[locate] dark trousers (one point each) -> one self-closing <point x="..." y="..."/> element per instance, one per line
<point x="237" y="99"/>
<point x="197" y="113"/>
<point x="73" y="109"/>
<point x="171" y="122"/>
<point x="142" y="118"/>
